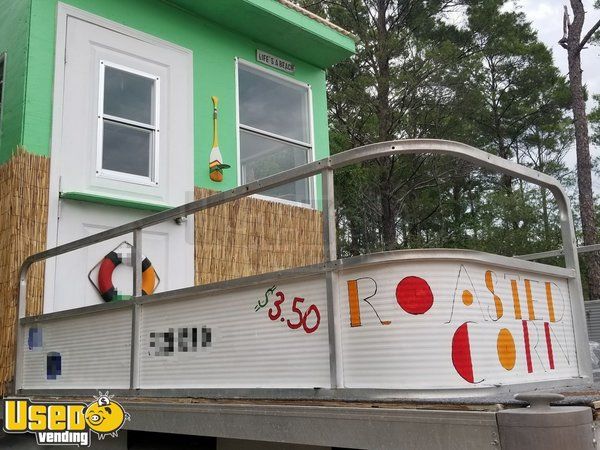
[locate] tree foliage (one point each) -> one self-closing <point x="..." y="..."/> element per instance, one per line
<point x="484" y="79"/>
<point x="464" y="70"/>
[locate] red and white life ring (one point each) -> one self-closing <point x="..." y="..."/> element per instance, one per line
<point x="107" y="267"/>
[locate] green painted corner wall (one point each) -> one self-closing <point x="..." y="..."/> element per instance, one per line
<point x="14" y="33"/>
<point x="214" y="49"/>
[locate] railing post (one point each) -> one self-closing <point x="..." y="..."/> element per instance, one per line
<point x="584" y="362"/>
<point x="330" y="253"/>
<point x="329" y="233"/>
<point x="20" y="312"/>
<point x="136" y="262"/>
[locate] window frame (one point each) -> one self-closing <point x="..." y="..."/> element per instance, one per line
<point x="2" y="92"/>
<point x="153" y="178"/>
<point x="309" y="146"/>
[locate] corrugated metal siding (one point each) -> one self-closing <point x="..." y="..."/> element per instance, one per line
<point x="247" y="349"/>
<point x="592" y="314"/>
<point x="415" y="351"/>
<point x="95" y="352"/>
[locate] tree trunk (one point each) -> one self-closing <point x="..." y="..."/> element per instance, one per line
<point x="582" y="145"/>
<point x="546" y="219"/>
<point x="388" y="219"/>
<point x="354" y="237"/>
<point x="474" y="220"/>
<point x="388" y="215"/>
<point x="547" y="242"/>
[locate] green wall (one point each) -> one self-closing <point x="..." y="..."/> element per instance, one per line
<point x="214" y="51"/>
<point x="14" y="32"/>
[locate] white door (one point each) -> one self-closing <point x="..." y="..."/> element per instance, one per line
<point x="125" y="133"/>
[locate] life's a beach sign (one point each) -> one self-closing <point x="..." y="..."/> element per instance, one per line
<point x="274" y="61"/>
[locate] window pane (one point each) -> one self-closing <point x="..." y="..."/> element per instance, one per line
<point x="272" y="104"/>
<point x="126" y="149"/>
<point x="261" y="157"/>
<point x="128" y="95"/>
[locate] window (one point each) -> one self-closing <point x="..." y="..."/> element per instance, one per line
<point x="128" y="124"/>
<point x="274" y="130"/>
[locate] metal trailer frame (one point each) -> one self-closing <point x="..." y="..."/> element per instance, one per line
<point x="324" y="167"/>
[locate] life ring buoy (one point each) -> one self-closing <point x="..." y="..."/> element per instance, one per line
<point x="108" y="265"/>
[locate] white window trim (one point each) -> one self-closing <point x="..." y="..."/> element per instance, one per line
<point x="312" y="181"/>
<point x="2" y="91"/>
<point x="153" y="179"/>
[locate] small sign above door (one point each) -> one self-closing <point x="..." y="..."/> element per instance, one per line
<point x="274" y="61"/>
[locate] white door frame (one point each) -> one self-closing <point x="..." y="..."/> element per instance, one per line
<point x="65" y="11"/>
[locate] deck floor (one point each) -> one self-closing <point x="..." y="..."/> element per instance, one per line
<point x="582" y="396"/>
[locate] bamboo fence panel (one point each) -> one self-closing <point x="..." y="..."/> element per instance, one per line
<point x="251" y="236"/>
<point x="242" y="238"/>
<point x="24" y="183"/>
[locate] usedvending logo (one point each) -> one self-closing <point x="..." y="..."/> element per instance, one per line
<point x="69" y="423"/>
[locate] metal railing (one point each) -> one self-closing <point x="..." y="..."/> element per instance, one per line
<point x="559" y="252"/>
<point x="325" y="168"/>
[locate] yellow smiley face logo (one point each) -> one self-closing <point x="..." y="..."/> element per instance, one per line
<point x="105" y="416"/>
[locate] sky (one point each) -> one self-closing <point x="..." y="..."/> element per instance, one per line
<point x="546" y="17"/>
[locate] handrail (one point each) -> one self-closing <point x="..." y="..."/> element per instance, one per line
<point x="325" y="167"/>
<point x="371" y="151"/>
<point x="560" y="252"/>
